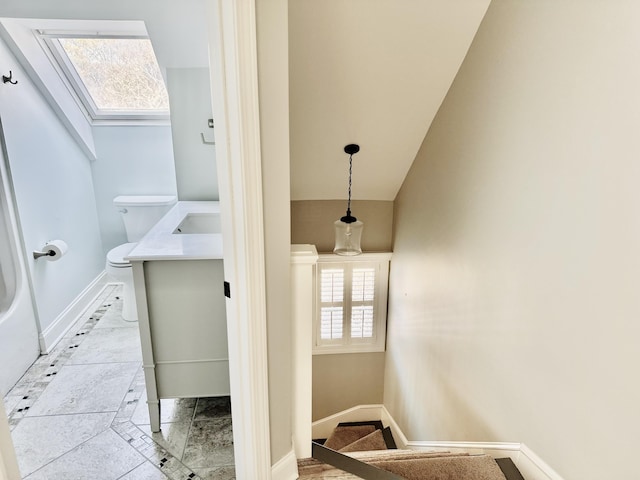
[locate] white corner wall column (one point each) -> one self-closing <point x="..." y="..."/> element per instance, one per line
<point x="303" y="262"/>
<point x="234" y="75"/>
<point x="8" y="462"/>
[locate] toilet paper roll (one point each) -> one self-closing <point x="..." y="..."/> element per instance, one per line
<point x="56" y="249"/>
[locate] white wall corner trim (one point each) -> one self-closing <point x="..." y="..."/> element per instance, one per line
<point x="66" y="319"/>
<point x="530" y="465"/>
<point x="8" y="462"/>
<point x="286" y="468"/>
<point x="533" y="467"/>
<point x="303" y="260"/>
<point x="232" y="38"/>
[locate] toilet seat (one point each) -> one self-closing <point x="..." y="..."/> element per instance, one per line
<point x="116" y="255"/>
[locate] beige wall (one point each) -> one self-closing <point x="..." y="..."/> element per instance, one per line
<point x="514" y="303"/>
<point x="273" y="76"/>
<point x="342" y="381"/>
<point x="312" y="223"/>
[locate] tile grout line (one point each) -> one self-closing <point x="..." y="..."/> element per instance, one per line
<point x="44" y="370"/>
<point x="139" y="440"/>
<point x="68" y="451"/>
<point x="56" y="359"/>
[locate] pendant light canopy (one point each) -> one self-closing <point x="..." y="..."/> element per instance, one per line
<point x="348" y="228"/>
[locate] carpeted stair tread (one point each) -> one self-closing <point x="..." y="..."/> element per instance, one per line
<point x="334" y="474"/>
<point x="312" y="466"/>
<point x="472" y="467"/>
<point x="369" y="442"/>
<point x="373" y="441"/>
<point x="345" y="435"/>
<point x="345" y="429"/>
<point x="400" y="455"/>
<point x="376" y="423"/>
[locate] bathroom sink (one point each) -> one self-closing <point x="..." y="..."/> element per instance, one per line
<point x="199" y="223"/>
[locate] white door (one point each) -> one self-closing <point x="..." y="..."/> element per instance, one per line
<point x="19" y="346"/>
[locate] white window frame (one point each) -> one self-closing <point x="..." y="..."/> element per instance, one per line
<point x="62" y="64"/>
<point x="346" y="344"/>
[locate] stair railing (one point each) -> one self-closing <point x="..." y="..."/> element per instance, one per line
<point x="349" y="464"/>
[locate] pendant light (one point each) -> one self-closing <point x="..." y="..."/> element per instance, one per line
<point x="348" y="228"/>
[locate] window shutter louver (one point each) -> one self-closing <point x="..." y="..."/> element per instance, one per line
<point x="363" y="285"/>
<point x="331" y="298"/>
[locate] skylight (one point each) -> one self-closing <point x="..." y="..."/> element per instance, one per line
<point x="113" y="77"/>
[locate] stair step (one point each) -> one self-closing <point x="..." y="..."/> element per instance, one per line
<point x="373" y="441"/>
<point x="368" y="449"/>
<point x="312" y="469"/>
<point x="308" y="467"/>
<point x="343" y="436"/>
<point x="354" y="431"/>
<point x="471" y="467"/>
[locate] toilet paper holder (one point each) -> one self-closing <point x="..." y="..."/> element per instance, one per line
<point x="52" y="250"/>
<point x="48" y="253"/>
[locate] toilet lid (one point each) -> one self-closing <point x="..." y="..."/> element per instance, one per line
<point x="116" y="255"/>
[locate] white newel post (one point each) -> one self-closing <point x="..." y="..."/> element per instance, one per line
<point x="303" y="261"/>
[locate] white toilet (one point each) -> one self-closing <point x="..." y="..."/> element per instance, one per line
<point x="139" y="213"/>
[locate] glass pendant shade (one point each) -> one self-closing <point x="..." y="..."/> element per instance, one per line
<point x="348" y="228"/>
<point x="348" y="237"/>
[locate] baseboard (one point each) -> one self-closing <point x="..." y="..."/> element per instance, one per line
<point x="398" y="435"/>
<point x="533" y="467"/>
<point x="323" y="427"/>
<point x="50" y="336"/>
<point x="286" y="468"/>
<point x="530" y="465"/>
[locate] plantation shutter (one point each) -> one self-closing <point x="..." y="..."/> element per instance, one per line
<point x="332" y="282"/>
<point x="351" y="303"/>
<point x="363" y="289"/>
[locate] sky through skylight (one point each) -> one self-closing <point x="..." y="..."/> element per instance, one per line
<point x="120" y="74"/>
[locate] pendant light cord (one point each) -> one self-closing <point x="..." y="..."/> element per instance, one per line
<point x="349" y="200"/>
<point x="350" y="149"/>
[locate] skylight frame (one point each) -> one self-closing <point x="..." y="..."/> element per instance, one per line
<point x="67" y="72"/>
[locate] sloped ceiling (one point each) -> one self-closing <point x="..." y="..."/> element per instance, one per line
<point x="372" y="72"/>
<point x="178" y="29"/>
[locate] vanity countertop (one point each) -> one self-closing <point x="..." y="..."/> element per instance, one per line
<point x="160" y="243"/>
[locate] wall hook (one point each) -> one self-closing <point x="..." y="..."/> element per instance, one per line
<point x="9" y="79"/>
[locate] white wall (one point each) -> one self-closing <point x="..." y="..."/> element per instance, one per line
<point x="190" y="100"/>
<point x="514" y="300"/>
<point x="53" y="192"/>
<point x="132" y="160"/>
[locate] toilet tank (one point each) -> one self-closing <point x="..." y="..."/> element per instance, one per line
<point x="141" y="212"/>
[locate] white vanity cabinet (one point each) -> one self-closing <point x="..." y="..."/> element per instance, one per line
<point x="179" y="287"/>
<point x="183" y="330"/>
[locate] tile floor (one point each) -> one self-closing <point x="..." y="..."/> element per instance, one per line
<point x="80" y="412"/>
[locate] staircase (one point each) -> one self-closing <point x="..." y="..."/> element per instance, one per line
<point x="367" y="450"/>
